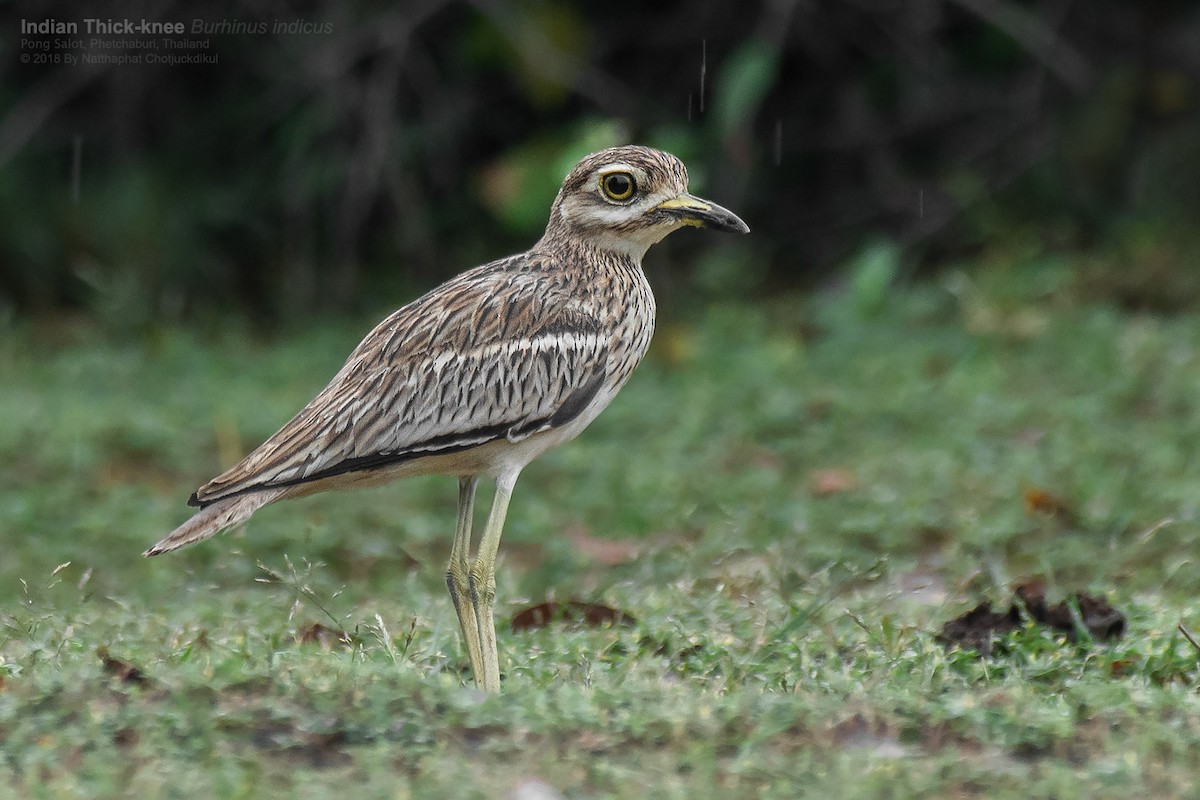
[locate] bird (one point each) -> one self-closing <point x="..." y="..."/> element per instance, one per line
<point x="484" y="373"/>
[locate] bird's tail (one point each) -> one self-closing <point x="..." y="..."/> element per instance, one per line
<point x="215" y="518"/>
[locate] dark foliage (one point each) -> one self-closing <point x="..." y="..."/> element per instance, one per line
<point x="383" y="148"/>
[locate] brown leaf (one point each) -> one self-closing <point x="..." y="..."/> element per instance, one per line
<point x="833" y="480"/>
<point x="121" y="670"/>
<point x="819" y="408"/>
<point x="978" y="628"/>
<point x="125" y="737"/>
<point x="574" y="611"/>
<point x="1030" y="590"/>
<point x="1102" y="621"/>
<point x="1039" y="501"/>
<point x="322" y="635"/>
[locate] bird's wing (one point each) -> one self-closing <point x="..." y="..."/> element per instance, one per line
<point x="489" y="355"/>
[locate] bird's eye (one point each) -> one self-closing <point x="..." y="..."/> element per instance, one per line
<point x="618" y="186"/>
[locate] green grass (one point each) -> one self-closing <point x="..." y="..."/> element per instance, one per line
<point x="785" y="638"/>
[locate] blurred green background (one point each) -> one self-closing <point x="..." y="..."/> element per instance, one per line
<point x="342" y="171"/>
<point x="960" y="351"/>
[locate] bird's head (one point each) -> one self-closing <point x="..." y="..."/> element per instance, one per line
<point x="626" y="199"/>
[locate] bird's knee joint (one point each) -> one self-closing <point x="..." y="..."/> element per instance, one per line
<point x="483" y="588"/>
<point x="457" y="577"/>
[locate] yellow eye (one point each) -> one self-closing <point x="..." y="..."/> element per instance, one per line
<point x="618" y="186"/>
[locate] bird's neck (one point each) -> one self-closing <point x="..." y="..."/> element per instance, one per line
<point x="600" y="271"/>
<point x="602" y="247"/>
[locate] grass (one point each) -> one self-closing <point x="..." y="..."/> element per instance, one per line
<point x="790" y="510"/>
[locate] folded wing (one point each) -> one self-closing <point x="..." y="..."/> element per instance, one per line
<point x="484" y="357"/>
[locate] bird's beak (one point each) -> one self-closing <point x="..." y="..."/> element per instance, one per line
<point x="691" y="210"/>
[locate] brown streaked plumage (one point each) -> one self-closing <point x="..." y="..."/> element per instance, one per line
<point x="484" y="373"/>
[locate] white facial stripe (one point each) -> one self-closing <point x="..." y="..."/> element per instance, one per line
<point x="618" y="167"/>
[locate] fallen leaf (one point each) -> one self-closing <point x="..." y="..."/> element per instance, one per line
<point x="1102" y="621"/>
<point x="1099" y="619"/>
<point x="979" y="628"/>
<point x="121" y="670"/>
<point x="1039" y="501"/>
<point x="322" y="635"/>
<point x="834" y="480"/>
<point x="573" y="611"/>
<point x="819" y="408"/>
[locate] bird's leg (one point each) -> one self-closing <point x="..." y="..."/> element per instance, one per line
<point x="483" y="581"/>
<point x="458" y="575"/>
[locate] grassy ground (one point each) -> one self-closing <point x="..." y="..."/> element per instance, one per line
<point x="789" y="500"/>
